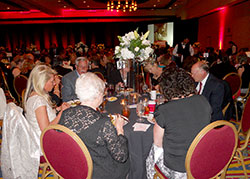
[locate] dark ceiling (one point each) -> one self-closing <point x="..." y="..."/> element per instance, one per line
<point x="55" y="7"/>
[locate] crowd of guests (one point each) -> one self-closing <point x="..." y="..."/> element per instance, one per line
<point x="189" y="78"/>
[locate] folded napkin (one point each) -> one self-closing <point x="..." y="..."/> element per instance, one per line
<point x="141" y="127"/>
<point x="132" y="106"/>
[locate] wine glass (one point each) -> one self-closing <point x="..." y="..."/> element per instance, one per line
<point x="144" y="88"/>
<point x="140" y="111"/>
<point x="111" y="89"/>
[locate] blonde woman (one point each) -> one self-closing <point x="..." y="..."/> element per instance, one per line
<point x="39" y="109"/>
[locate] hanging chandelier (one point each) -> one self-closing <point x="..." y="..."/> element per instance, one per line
<point x="123" y="5"/>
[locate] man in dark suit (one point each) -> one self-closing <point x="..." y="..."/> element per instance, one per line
<point x="210" y="87"/>
<point x="69" y="80"/>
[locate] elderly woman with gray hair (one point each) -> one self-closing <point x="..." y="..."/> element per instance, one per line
<point x="106" y="142"/>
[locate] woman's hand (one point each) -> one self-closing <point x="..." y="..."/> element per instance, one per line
<point x="57" y="80"/>
<point x="64" y="106"/>
<point x="119" y="123"/>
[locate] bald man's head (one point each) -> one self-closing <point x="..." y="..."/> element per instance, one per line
<point x="199" y="70"/>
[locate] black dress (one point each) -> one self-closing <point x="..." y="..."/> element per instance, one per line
<point x="108" y="150"/>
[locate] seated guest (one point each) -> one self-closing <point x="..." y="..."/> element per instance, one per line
<point x="63" y="68"/>
<point x="178" y="121"/>
<point x="210" y="87"/>
<point x="106" y="142"/>
<point x="165" y="60"/>
<point x="244" y="72"/>
<point x="155" y="70"/>
<point x="222" y="67"/>
<point x="113" y="75"/>
<point x="18" y="68"/>
<point x="95" y="66"/>
<point x="46" y="60"/>
<point x="69" y="80"/>
<point x="37" y="104"/>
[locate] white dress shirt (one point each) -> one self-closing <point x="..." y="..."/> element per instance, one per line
<point x="203" y="84"/>
<point x="191" y="50"/>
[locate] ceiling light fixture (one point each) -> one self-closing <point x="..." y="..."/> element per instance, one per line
<point x="130" y="5"/>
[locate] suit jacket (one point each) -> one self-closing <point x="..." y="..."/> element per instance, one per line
<point x="214" y="92"/>
<point x="68" y="86"/>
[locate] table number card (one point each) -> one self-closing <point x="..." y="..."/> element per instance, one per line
<point x="141" y="127"/>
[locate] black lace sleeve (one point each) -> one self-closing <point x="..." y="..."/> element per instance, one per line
<point x="117" y="144"/>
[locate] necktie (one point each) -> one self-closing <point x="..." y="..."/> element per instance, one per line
<point x="199" y="92"/>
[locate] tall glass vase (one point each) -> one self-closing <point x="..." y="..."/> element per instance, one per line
<point x="134" y="76"/>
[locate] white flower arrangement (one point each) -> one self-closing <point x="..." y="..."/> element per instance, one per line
<point x="134" y="46"/>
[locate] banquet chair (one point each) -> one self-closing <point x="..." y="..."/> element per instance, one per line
<point x="243" y="96"/>
<point x="66" y="153"/>
<point x="244" y="131"/>
<point x="211" y="151"/>
<point x="6" y="89"/>
<point x="234" y="81"/>
<point x="158" y="173"/>
<point x="225" y="109"/>
<point x="100" y="75"/>
<point x="46" y="171"/>
<point x="19" y="84"/>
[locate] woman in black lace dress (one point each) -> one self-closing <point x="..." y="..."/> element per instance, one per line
<point x="106" y="142"/>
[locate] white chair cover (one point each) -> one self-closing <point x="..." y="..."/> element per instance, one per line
<point x="20" y="154"/>
<point x="2" y="103"/>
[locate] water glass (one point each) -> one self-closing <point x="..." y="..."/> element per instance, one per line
<point x="140" y="111"/>
<point x="111" y="89"/>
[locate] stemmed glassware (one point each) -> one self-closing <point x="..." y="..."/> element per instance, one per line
<point x="111" y="90"/>
<point x="144" y="89"/>
<point x="140" y="111"/>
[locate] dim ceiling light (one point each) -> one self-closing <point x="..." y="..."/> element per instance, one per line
<point x="124" y="5"/>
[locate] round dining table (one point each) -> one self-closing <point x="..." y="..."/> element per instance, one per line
<point x="139" y="142"/>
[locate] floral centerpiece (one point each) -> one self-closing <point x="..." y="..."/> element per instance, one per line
<point x="134" y="46"/>
<point x="81" y="48"/>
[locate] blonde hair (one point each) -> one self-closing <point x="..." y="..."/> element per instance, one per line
<point x="39" y="76"/>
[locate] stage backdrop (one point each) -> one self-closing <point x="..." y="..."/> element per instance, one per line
<point x="43" y="35"/>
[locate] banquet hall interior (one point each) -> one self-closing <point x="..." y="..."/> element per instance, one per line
<point x="62" y="34"/>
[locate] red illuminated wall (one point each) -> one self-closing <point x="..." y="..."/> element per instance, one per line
<point x="228" y="24"/>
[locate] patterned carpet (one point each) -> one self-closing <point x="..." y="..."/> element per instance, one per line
<point x="235" y="170"/>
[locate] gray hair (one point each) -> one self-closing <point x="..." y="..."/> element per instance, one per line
<point x="80" y="59"/>
<point x="89" y="86"/>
